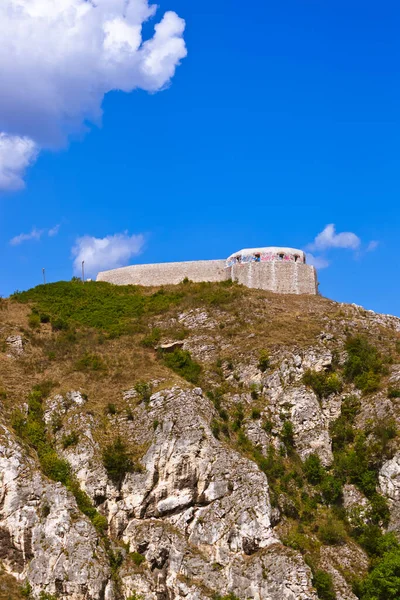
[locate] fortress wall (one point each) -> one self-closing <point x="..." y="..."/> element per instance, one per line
<point x="279" y="277"/>
<point x="167" y="273"/>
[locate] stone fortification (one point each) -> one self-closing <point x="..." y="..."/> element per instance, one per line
<point x="280" y="270"/>
<point x="279" y="277"/>
<point x="167" y="273"/>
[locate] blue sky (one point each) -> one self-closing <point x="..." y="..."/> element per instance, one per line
<point x="283" y="118"/>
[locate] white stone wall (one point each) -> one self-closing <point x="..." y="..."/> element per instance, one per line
<point x="167" y="273"/>
<point x="279" y="277"/>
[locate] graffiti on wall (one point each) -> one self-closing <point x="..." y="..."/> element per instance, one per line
<point x="240" y="259"/>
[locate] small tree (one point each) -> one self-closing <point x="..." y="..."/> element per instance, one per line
<point x="116" y="460"/>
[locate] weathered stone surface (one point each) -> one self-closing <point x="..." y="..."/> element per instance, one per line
<point x="43" y="536"/>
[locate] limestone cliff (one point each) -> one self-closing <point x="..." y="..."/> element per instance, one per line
<point x="253" y="455"/>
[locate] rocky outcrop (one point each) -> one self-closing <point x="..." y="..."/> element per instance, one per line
<point x="44" y="538"/>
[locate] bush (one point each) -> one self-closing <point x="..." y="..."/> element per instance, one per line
<point x="59" y="324"/>
<point x="331" y="489"/>
<point x="111" y="409"/>
<point x="393" y="393"/>
<point x="116" y="460"/>
<point x="322" y="581"/>
<point x="364" y="365"/>
<point x="323" y="383"/>
<point x="137" y="558"/>
<point x="383" y="582"/>
<point x="144" y="391"/>
<point x="332" y="532"/>
<point x="255" y="413"/>
<point x="152" y="338"/>
<point x="287" y="435"/>
<point x="313" y="469"/>
<point x="70" y="440"/>
<point x="263" y="360"/>
<point x="182" y="363"/>
<point x="90" y="362"/>
<point x="34" y="321"/>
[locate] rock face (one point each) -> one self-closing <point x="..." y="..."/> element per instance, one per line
<point x="219" y="504"/>
<point x="43" y="536"/>
<point x="199" y="512"/>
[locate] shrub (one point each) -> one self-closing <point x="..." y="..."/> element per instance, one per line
<point x="90" y="362"/>
<point x="263" y="360"/>
<point x="182" y="363"/>
<point x="332" y="532"/>
<point x="331" y="489"/>
<point x="144" y="391"/>
<point x="34" y="321"/>
<point x="393" y="393"/>
<point x="313" y="469"/>
<point x="322" y="581"/>
<point x="137" y="558"/>
<point x="383" y="582"/>
<point x="70" y="440"/>
<point x="364" y="365"/>
<point x="323" y="383"/>
<point x="287" y="435"/>
<point x="111" y="409"/>
<point x="268" y="426"/>
<point x="116" y="460"/>
<point x="152" y="338"/>
<point x="59" y="324"/>
<point x="255" y="413"/>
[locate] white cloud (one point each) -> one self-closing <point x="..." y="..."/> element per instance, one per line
<point x="319" y="262"/>
<point x="35" y="234"/>
<point x="58" y="58"/>
<point x="16" y="154"/>
<point x="53" y="231"/>
<point x="328" y="238"/>
<point x="105" y="253"/>
<point x="373" y="244"/>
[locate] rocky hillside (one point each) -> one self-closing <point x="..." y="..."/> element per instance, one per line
<point x="200" y="441"/>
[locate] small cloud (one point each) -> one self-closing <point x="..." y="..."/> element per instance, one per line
<point x="110" y="252"/>
<point x="54" y="230"/>
<point x="372" y="246"/>
<point x="16" y="155"/>
<point x="319" y="262"/>
<point x="328" y="238"/>
<point x="35" y="234"/>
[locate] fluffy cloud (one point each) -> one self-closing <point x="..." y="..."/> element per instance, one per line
<point x="58" y="58"/>
<point x="328" y="238"/>
<point x="317" y="261"/>
<point x="105" y="253"/>
<point x="16" y="154"/>
<point x="35" y="235"/>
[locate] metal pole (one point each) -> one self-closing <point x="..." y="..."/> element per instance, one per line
<point x="44" y="276"/>
<point x="83" y="270"/>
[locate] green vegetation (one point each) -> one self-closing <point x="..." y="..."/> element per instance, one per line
<point x="116" y="310"/>
<point x="364" y="365"/>
<point x="322" y="581"/>
<point x="90" y="362"/>
<point x="144" y="391"/>
<point x="32" y="429"/>
<point x="263" y="360"/>
<point x="117" y="460"/>
<point x="323" y="383"/>
<point x="182" y="363"/>
<point x="152" y="338"/>
<point x="393" y="393"/>
<point x="69" y="440"/>
<point x="137" y="558"/>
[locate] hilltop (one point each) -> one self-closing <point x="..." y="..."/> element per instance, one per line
<point x="201" y="440"/>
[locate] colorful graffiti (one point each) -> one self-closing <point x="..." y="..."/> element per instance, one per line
<point x="240" y="259"/>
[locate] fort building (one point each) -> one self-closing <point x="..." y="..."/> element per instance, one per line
<point x="280" y="270"/>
